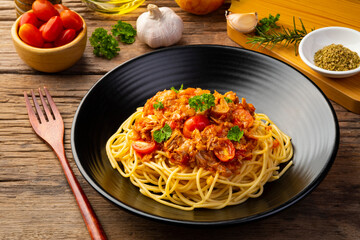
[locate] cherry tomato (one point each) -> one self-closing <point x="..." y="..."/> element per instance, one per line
<point x="60" y="7"/>
<point x="29" y="17"/>
<point x="31" y="35"/>
<point x="41" y="28"/>
<point x="196" y="122"/>
<point x="44" y="10"/>
<point x="71" y="19"/>
<point x="242" y="118"/>
<point x="143" y="147"/>
<point x="65" y="37"/>
<point x="48" y="45"/>
<point x="225" y="150"/>
<point x="52" y="29"/>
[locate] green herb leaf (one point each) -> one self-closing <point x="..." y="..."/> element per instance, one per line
<point x="265" y="24"/>
<point x="285" y="35"/>
<point x="228" y="100"/>
<point x="158" y="105"/>
<point x="162" y="134"/>
<point x="202" y="102"/>
<point x="124" y="31"/>
<point x="177" y="91"/>
<point x="105" y="45"/>
<point x="235" y="134"/>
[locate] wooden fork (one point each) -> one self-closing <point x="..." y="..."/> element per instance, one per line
<point x="50" y="127"/>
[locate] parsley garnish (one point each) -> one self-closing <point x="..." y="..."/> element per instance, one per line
<point x="235" y="134"/>
<point x="158" y="105"/>
<point x="105" y="45"/>
<point x="202" y="102"/>
<point x="162" y="134"/>
<point x="228" y="100"/>
<point x="266" y="24"/>
<point x="177" y="91"/>
<point x="124" y="31"/>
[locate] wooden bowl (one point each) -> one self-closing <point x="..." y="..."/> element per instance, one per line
<point x="50" y="60"/>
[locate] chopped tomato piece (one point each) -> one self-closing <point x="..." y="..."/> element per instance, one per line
<point x="143" y="147"/>
<point x="242" y="118"/>
<point x="225" y="150"/>
<point x="196" y="122"/>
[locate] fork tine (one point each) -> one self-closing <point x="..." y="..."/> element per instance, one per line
<point x="37" y="107"/>
<point x="29" y="108"/>
<point x="45" y="105"/>
<point x="52" y="104"/>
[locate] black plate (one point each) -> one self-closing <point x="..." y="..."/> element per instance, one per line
<point x="289" y="98"/>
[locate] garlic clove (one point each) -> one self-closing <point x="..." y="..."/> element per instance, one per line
<point x="243" y="22"/>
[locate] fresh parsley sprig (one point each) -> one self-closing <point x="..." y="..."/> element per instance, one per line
<point x="105" y="45"/>
<point x="235" y="134"/>
<point x="158" y="105"/>
<point x="265" y="24"/>
<point x="228" y="100"/>
<point x="162" y="134"/>
<point x="202" y="102"/>
<point x="177" y="91"/>
<point x="124" y="31"/>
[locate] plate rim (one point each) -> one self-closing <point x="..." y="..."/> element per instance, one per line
<point x="299" y="196"/>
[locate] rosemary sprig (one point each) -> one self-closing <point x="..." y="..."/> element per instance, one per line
<point x="286" y="35"/>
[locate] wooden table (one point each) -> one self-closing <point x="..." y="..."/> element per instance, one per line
<point x="37" y="203"/>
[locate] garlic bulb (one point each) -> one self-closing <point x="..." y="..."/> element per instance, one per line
<point x="159" y="27"/>
<point x="243" y="22"/>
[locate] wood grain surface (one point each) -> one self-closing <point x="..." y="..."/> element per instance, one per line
<point x="314" y="15"/>
<point x="37" y="203"/>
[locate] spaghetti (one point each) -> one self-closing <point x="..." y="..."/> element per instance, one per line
<point x="192" y="149"/>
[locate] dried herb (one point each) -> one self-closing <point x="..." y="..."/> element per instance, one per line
<point x="336" y="57"/>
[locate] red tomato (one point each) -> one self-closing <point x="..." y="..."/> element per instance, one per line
<point x="242" y="118"/>
<point x="144" y="147"/>
<point x="196" y="122"/>
<point x="48" y="45"/>
<point x="29" y="17"/>
<point x="65" y="37"/>
<point x="60" y="7"/>
<point x="173" y="124"/>
<point x="41" y="28"/>
<point x="44" y="10"/>
<point x="52" y="29"/>
<point x="71" y="19"/>
<point x="31" y="35"/>
<point x="225" y="151"/>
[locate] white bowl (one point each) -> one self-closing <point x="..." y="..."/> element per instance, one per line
<point x="322" y="37"/>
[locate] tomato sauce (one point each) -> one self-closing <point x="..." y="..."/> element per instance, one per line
<point x="199" y="138"/>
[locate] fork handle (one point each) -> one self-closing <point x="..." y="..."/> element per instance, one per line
<point x="89" y="216"/>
